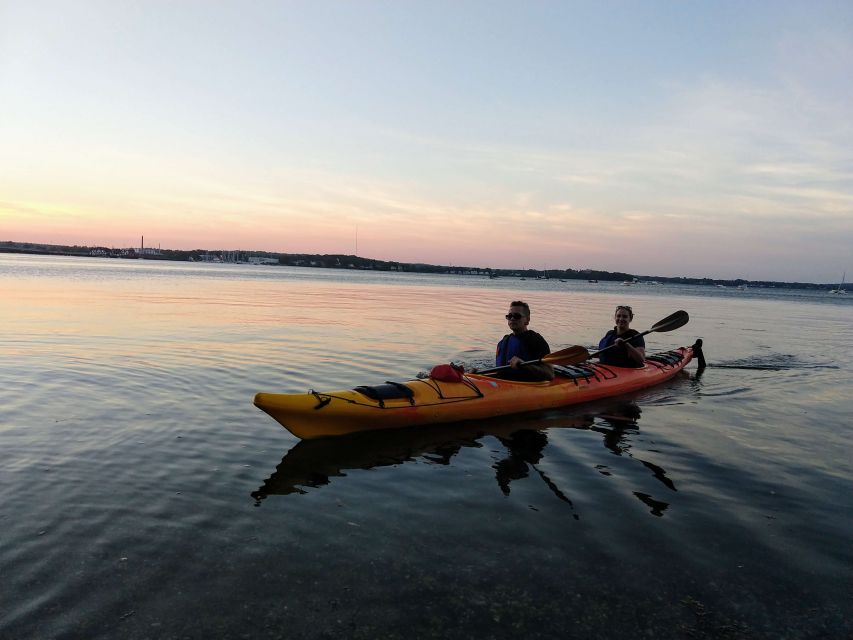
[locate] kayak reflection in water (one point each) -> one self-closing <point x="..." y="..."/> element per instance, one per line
<point x="316" y="463"/>
<point x="313" y="463"/>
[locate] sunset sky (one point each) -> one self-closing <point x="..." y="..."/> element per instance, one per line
<point x="657" y="138"/>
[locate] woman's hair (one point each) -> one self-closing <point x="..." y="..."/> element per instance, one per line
<point x="626" y="308"/>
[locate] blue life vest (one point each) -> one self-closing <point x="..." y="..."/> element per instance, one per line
<point x="507" y="348"/>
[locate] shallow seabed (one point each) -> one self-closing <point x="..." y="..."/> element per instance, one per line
<point x="142" y="495"/>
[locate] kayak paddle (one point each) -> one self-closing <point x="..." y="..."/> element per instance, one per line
<point x="569" y="355"/>
<point x="670" y="323"/>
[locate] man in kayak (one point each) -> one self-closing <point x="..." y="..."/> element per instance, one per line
<point x="629" y="348"/>
<point x="522" y="345"/>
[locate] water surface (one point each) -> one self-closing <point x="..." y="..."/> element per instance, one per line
<point x="143" y="496"/>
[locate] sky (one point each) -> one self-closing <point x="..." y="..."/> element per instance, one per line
<point x="701" y="139"/>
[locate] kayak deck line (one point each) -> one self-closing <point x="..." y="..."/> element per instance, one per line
<point x="418" y="402"/>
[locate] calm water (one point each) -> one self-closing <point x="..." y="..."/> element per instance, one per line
<point x="143" y="496"/>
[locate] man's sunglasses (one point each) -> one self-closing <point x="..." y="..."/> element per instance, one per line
<point x="514" y="316"/>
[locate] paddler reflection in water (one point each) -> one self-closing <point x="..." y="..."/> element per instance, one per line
<point x="525" y="448"/>
<point x="522" y="345"/>
<point x="525" y="451"/>
<point x="630" y="349"/>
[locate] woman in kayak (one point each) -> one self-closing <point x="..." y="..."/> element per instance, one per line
<point x="522" y="345"/>
<point x="629" y="348"/>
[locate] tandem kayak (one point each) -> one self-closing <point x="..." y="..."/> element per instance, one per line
<point x="318" y="414"/>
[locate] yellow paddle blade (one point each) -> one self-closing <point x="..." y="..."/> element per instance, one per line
<point x="567" y="356"/>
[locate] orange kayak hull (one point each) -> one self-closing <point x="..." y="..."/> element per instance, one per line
<point x="428" y="401"/>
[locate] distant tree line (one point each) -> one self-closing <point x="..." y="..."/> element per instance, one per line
<point x="342" y="261"/>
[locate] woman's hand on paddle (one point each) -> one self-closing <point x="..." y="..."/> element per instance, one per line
<point x="637" y="354"/>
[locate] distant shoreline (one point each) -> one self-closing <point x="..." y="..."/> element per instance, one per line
<point x="351" y="262"/>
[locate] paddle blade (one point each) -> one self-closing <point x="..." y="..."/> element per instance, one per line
<point x="670" y="323"/>
<point x="567" y="356"/>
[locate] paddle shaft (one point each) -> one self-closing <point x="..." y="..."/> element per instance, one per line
<point x="569" y="355"/>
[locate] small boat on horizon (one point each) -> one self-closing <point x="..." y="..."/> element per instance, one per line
<point x="840" y="289"/>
